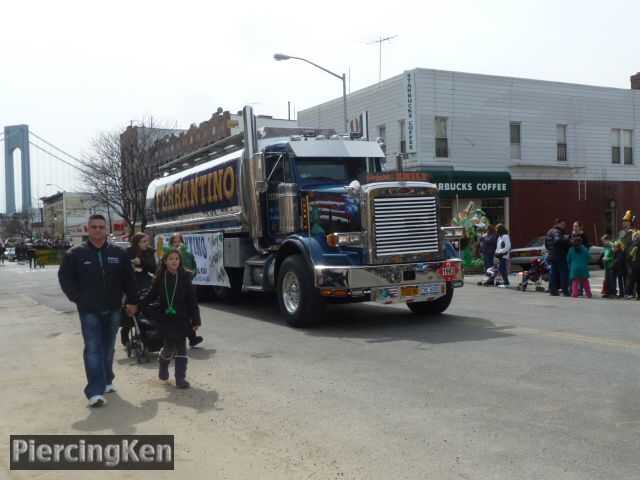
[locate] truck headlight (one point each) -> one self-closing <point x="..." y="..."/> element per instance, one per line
<point x="344" y="239"/>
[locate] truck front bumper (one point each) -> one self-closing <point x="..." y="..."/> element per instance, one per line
<point x="374" y="276"/>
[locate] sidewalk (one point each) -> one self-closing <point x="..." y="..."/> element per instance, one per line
<point x="515" y="277"/>
<point x="218" y="436"/>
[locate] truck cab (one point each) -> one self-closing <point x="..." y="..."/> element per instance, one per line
<point x="313" y="217"/>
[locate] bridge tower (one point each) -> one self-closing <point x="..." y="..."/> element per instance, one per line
<point x="17" y="137"/>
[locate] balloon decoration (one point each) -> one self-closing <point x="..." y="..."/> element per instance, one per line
<point x="474" y="221"/>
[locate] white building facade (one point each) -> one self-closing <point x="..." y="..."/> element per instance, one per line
<point x="526" y="151"/>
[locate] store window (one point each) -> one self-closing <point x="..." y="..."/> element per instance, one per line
<point x="621" y="149"/>
<point x="561" y="142"/>
<point x="494" y="210"/>
<point x="446" y="212"/>
<point x="442" y="145"/>
<point x="514" y="134"/>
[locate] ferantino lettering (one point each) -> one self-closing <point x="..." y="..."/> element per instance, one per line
<point x="205" y="189"/>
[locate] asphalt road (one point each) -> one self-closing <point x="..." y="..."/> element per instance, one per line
<point x="505" y="385"/>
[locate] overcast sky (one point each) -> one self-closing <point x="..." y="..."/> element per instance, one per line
<point x="71" y="69"/>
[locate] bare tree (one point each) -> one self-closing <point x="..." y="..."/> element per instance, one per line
<point x="119" y="168"/>
<point x="18" y="225"/>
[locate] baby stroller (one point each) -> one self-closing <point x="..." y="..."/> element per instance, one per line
<point x="493" y="277"/>
<point x="143" y="336"/>
<point x="538" y="273"/>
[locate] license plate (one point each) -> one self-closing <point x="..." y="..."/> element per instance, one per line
<point x="431" y="288"/>
<point x="410" y="291"/>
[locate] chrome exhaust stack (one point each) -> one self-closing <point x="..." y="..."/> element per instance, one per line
<point x="252" y="179"/>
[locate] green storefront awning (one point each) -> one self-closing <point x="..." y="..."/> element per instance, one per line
<point x="471" y="184"/>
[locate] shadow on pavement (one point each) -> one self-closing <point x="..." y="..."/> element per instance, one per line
<point x="121" y="417"/>
<point x="374" y="323"/>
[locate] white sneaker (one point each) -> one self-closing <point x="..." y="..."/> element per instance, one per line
<point x="504" y="286"/>
<point x="110" y="388"/>
<point x="97" y="401"/>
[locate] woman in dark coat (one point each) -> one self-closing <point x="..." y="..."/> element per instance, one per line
<point x="488" y="244"/>
<point x="144" y="266"/>
<point x="178" y="315"/>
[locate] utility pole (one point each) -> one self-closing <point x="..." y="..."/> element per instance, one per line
<point x="379" y="42"/>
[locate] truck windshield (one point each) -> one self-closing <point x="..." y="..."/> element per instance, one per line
<point x="335" y="169"/>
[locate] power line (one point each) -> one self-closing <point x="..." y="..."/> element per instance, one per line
<point x="31" y="132"/>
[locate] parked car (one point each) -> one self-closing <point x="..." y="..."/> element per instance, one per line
<point x="10" y="254"/>
<point x="522" y="257"/>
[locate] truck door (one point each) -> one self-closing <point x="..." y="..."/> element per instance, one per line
<point x="278" y="171"/>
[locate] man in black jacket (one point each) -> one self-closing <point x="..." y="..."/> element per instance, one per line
<point x="557" y="244"/>
<point x="94" y="275"/>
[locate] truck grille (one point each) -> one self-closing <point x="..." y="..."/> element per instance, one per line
<point x="405" y="225"/>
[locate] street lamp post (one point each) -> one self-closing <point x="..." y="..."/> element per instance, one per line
<point x="64" y="210"/>
<point x="282" y="56"/>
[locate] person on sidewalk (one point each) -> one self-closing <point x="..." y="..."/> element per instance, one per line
<point x="607" y="262"/>
<point x="557" y="244"/>
<point x="488" y="244"/>
<point x="177" y="243"/>
<point x="3" y="249"/>
<point x="144" y="266"/>
<point x="94" y="275"/>
<point x="619" y="269"/>
<point x="179" y="314"/>
<point x="31" y="256"/>
<point x="633" y="269"/>
<point x="578" y="262"/>
<point x="502" y="253"/>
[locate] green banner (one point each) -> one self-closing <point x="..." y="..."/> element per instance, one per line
<point x="471" y="184"/>
<point x="50" y="256"/>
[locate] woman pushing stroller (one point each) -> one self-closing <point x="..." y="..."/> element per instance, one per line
<point x="144" y="266"/>
<point x="172" y="286"/>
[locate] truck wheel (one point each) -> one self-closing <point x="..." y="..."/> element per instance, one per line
<point x="299" y="301"/>
<point x="433" y="308"/>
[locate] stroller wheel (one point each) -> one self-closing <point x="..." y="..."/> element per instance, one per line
<point x="145" y="355"/>
<point x="519" y="288"/>
<point x="140" y="355"/>
<point x="129" y="349"/>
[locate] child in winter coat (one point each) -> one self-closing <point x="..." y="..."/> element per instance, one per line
<point x="609" y="287"/>
<point x="578" y="260"/>
<point x="176" y="242"/>
<point x="619" y="269"/>
<point x="172" y="285"/>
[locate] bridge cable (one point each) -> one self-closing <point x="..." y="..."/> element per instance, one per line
<point x="31" y="132"/>
<point x="61" y="159"/>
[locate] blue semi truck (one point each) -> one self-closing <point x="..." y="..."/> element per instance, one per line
<point x="310" y="215"/>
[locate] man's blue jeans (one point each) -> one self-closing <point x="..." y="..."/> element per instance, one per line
<point x="99" y="334"/>
<point x="559" y="277"/>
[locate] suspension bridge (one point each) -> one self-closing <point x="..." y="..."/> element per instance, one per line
<point x="27" y="173"/>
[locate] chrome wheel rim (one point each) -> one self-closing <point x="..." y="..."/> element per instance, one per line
<point x="291" y="292"/>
